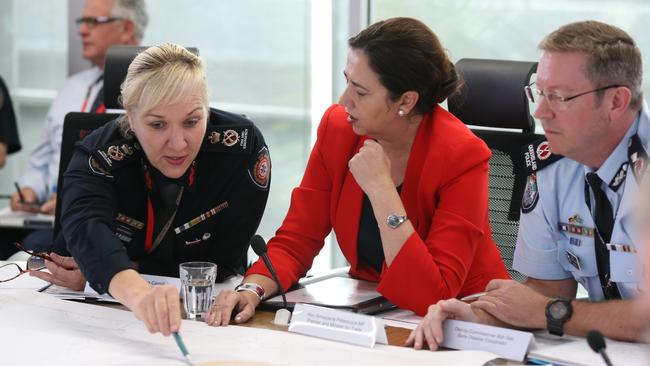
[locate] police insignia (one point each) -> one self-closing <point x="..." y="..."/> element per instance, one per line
<point x="531" y="195"/>
<point x="619" y="178"/>
<point x="230" y="138"/>
<point x="115" y="153"/>
<point x="543" y="151"/>
<point x="261" y="170"/>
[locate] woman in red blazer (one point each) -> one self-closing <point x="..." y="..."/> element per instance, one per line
<point x="402" y="182"/>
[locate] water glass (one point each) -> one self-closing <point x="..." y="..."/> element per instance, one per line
<point x="197" y="280"/>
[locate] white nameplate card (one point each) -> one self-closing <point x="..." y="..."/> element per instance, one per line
<point x="507" y="343"/>
<point x="338" y="325"/>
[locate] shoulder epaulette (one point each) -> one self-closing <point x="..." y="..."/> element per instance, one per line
<point x="116" y="153"/>
<point x="538" y="155"/>
<point x="235" y="139"/>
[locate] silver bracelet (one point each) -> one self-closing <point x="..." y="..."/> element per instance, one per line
<point x="251" y="287"/>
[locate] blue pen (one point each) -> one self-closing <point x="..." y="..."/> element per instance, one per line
<point x="181" y="346"/>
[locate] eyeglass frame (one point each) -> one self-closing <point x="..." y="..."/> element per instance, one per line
<point x="95" y="21"/>
<point x="20" y="271"/>
<point x="554" y="98"/>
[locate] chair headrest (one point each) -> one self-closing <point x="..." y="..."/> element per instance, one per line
<point x="118" y="59"/>
<point x="493" y="94"/>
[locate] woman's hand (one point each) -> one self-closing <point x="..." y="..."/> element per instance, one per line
<point x="63" y="272"/>
<point x="430" y="328"/>
<point x="371" y="168"/>
<point x="159" y="308"/>
<point x="244" y="303"/>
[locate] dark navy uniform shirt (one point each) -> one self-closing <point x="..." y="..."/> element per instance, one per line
<point x="113" y="210"/>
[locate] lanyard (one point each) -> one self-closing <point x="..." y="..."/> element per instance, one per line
<point x="101" y="108"/>
<point x="150" y="244"/>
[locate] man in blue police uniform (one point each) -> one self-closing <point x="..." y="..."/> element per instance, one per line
<point x="577" y="223"/>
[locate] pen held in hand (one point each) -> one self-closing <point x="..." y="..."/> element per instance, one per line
<point x="473" y="297"/>
<point x="181" y="346"/>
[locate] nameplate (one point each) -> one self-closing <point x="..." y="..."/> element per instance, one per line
<point x="338" y="325"/>
<point x="507" y="343"/>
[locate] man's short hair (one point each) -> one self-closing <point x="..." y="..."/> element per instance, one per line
<point x="136" y="12"/>
<point x="613" y="57"/>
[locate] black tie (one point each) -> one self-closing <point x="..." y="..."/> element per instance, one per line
<point x="604" y="219"/>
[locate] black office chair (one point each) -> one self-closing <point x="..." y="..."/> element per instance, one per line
<point x="493" y="97"/>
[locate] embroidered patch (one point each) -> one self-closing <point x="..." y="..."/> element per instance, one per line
<point x="230" y="137"/>
<point x="214" y="137"/>
<point x="260" y="172"/>
<point x="531" y="195"/>
<point x="97" y="168"/>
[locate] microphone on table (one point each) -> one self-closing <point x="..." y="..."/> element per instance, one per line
<point x="597" y="343"/>
<point x="259" y="247"/>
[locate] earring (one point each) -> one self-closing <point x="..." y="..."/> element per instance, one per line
<point x="401" y="113"/>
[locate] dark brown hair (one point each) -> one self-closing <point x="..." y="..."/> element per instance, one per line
<point x="408" y="56"/>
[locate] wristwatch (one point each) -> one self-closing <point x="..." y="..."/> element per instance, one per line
<point x="251" y="287"/>
<point x="558" y="312"/>
<point x="394" y="220"/>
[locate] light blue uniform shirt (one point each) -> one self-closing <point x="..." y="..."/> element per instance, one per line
<point x="556" y="236"/>
<point x="42" y="169"/>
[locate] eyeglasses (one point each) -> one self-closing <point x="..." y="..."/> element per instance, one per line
<point x="535" y="95"/>
<point x="94" y="21"/>
<point x="36" y="262"/>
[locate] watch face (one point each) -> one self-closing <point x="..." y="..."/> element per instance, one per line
<point x="558" y="310"/>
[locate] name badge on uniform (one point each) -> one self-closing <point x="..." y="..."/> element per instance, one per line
<point x="573" y="259"/>
<point x="575" y="241"/>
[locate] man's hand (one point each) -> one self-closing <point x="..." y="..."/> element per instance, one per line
<point x="29" y="205"/>
<point x="430" y="328"/>
<point x="514" y="303"/>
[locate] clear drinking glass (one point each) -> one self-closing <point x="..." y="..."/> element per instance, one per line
<point x="197" y="280"/>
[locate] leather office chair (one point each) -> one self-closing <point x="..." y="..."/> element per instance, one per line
<point x="493" y="97"/>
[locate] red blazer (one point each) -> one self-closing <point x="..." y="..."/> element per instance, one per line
<point x="451" y="252"/>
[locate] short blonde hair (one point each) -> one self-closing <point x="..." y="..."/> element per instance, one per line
<point x="162" y="75"/>
<point x="613" y="57"/>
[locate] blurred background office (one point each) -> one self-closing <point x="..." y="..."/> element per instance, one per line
<point x="279" y="62"/>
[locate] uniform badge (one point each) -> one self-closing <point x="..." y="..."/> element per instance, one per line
<point x="126" y="149"/>
<point x="531" y="194"/>
<point x="260" y="172"/>
<point x="204" y="216"/>
<point x="129" y="221"/>
<point x="230" y="137"/>
<point x="124" y="233"/>
<point x="573" y="259"/>
<point x="575" y="219"/>
<point x="214" y="137"/>
<point x="543" y="151"/>
<point x="206" y="236"/>
<point x="619" y="178"/>
<point x="97" y="168"/>
<point x="576" y="229"/>
<point x="620" y="248"/>
<point x="115" y="153"/>
<point x="575" y="241"/>
<point x="192" y="242"/>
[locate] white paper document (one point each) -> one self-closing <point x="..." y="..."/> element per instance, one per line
<point x="73" y="333"/>
<point x="572" y="351"/>
<point x="22" y="219"/>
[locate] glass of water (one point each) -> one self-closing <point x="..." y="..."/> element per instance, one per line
<point x="197" y="280"/>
